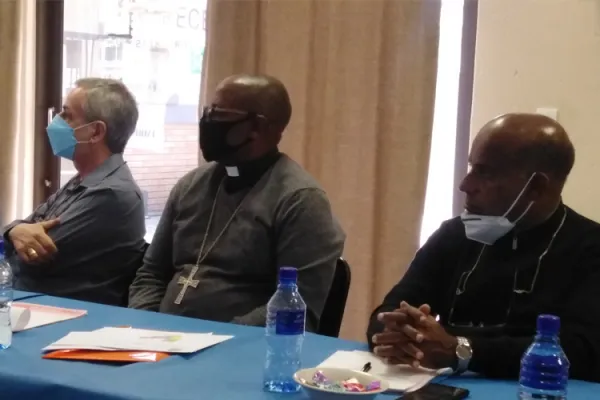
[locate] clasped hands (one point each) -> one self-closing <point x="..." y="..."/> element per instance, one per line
<point x="412" y="336"/>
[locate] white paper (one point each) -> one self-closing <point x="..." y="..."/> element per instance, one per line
<point x="40" y="315"/>
<point x="19" y="318"/>
<point x="137" y="339"/>
<point x="402" y="378"/>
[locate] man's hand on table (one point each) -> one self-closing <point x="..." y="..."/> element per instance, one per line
<point x="32" y="243"/>
<point x="412" y="336"/>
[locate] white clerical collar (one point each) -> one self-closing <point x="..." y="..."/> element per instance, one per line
<point x="232" y="171"/>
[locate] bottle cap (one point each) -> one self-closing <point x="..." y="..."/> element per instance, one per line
<point x="288" y="275"/>
<point x="548" y="324"/>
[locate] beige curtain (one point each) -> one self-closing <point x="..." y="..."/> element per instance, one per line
<point x="17" y="87"/>
<point x="361" y="74"/>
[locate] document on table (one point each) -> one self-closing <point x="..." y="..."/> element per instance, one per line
<point x="19" y="318"/>
<point x="117" y="339"/>
<point x="25" y="316"/>
<point x="402" y="378"/>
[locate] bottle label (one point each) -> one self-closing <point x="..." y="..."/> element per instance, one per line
<point x="290" y="322"/>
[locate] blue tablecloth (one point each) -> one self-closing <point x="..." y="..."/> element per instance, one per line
<point x="229" y="371"/>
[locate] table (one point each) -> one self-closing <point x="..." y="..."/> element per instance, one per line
<point x="232" y="370"/>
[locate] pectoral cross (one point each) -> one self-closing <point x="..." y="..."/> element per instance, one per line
<point x="187" y="282"/>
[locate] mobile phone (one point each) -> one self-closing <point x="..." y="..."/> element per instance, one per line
<point x="435" y="391"/>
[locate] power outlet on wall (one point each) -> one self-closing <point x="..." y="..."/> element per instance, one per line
<point x="548" y="112"/>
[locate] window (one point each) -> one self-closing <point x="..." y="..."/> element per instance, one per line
<point x="440" y="181"/>
<point x="161" y="64"/>
<point x="113" y="52"/>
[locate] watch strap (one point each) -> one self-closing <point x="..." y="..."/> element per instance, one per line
<point x="464" y="354"/>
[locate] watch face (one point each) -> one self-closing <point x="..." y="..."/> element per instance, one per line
<point x="463" y="352"/>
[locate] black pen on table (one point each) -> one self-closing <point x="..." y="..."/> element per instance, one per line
<point x="366" y="367"/>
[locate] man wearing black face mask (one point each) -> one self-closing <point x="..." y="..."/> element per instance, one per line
<point x="229" y="225"/>
<point x="471" y="296"/>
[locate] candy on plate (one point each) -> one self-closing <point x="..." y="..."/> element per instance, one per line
<point x="348" y="385"/>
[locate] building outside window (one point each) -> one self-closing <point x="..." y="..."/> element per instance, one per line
<point x="155" y="47"/>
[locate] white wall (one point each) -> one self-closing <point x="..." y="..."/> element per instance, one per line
<point x="535" y="53"/>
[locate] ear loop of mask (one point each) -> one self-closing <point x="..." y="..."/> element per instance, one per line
<point x="79" y="127"/>
<point x="519" y="197"/>
<point x="254" y="127"/>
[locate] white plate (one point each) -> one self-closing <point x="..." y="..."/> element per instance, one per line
<point x="337" y="374"/>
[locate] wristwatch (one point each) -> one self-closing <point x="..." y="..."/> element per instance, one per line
<point x="464" y="353"/>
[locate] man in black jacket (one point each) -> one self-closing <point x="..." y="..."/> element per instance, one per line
<point x="472" y="294"/>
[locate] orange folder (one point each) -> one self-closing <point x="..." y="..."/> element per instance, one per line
<point x="107" y="356"/>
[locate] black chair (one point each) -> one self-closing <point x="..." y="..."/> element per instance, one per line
<point x="333" y="312"/>
<point x="129" y="279"/>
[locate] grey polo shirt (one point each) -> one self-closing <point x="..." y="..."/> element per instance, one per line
<point x="100" y="238"/>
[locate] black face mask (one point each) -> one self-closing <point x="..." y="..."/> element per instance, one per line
<point x="213" y="137"/>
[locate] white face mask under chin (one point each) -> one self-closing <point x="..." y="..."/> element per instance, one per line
<point x="487" y="229"/>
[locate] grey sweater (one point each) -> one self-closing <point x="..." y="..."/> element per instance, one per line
<point x="285" y="219"/>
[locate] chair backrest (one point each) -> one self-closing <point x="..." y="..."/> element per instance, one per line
<point x="333" y="312"/>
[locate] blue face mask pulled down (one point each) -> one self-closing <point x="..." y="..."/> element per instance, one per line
<point x="487" y="229"/>
<point x="62" y="137"/>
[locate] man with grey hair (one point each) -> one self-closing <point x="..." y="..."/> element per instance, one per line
<point x="86" y="241"/>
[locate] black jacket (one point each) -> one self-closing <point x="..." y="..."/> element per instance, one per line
<point x="567" y="285"/>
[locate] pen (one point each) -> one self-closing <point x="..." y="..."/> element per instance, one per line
<point x="366" y="367"/>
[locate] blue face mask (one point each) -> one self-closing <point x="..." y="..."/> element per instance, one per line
<point x="62" y="138"/>
<point x="487" y="229"/>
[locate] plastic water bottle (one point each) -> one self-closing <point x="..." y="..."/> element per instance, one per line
<point x="544" y="366"/>
<point x="286" y="318"/>
<point x="6" y="297"/>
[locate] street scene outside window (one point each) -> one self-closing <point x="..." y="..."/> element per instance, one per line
<point x="155" y="47"/>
